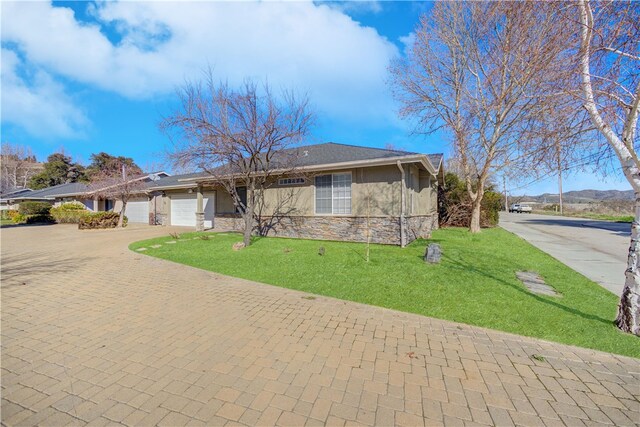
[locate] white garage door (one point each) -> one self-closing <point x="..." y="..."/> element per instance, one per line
<point x="183" y="209"/>
<point x="137" y="211"/>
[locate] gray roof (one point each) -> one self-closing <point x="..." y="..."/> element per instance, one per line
<point x="73" y="189"/>
<point x="303" y="156"/>
<point x="15" y="193"/>
<point x="331" y="152"/>
<point x="174" y="180"/>
<point x="56" y="191"/>
<point x="436" y="160"/>
<point x="312" y="155"/>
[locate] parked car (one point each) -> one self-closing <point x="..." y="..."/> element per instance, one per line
<point x="518" y="208"/>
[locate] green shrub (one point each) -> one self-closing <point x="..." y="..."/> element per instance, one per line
<point x="69" y="213"/>
<point x="4" y="214"/>
<point x="35" y="219"/>
<point x="100" y="220"/>
<point x="34" y="208"/>
<point x="71" y="206"/>
<point x="454" y="204"/>
<point x="32" y="212"/>
<point x="18" y="218"/>
<point x="490" y="209"/>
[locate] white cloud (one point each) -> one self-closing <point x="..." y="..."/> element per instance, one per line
<point x="408" y="41"/>
<point x="314" y="48"/>
<point x="355" y="6"/>
<point x="39" y="104"/>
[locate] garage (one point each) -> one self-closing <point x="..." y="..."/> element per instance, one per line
<point x="183" y="209"/>
<point x="137" y="211"/>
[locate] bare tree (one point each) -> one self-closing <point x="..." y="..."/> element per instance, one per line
<point x="609" y="67"/>
<point x="239" y="137"/>
<point x="121" y="185"/>
<point x="18" y="165"/>
<point x="477" y="69"/>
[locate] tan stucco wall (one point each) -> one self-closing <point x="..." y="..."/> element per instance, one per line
<point x="375" y="192"/>
<point x="428" y="194"/>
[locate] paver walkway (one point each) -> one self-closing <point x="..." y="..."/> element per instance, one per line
<point x="93" y="333"/>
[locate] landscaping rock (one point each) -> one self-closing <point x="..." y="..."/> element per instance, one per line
<point x="237" y="246"/>
<point x="141" y="249"/>
<point x="535" y="283"/>
<point x="171" y="242"/>
<point x="433" y="254"/>
<point x="156" y="246"/>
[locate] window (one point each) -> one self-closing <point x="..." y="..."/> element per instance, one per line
<point x="242" y="195"/>
<point x="333" y="194"/>
<point x="290" y="181"/>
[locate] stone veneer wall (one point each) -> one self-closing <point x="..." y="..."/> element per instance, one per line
<point x="158" y="219"/>
<point x="420" y="226"/>
<point x="385" y="230"/>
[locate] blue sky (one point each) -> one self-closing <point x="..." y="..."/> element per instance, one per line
<point x="93" y="77"/>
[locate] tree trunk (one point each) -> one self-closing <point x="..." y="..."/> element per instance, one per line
<point x="121" y="217"/>
<point x="628" y="319"/>
<point x="474" y="226"/>
<point x="476" y="205"/>
<point x="248" y="216"/>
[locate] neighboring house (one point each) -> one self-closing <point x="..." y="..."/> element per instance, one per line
<point x="338" y="192"/>
<point x="9" y="200"/>
<point x="139" y="208"/>
<point x="74" y="191"/>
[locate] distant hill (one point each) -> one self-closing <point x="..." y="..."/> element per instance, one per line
<point x="581" y="196"/>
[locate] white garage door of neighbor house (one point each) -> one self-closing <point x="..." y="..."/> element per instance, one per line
<point x="183" y="209"/>
<point x="137" y="211"/>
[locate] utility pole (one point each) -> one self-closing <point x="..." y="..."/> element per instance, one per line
<point x="559" y="176"/>
<point x="506" y="198"/>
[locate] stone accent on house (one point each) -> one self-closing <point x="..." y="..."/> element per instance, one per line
<point x="199" y="221"/>
<point x="384" y="230"/>
<point x="158" y="219"/>
<point x="227" y="222"/>
<point x="420" y="226"/>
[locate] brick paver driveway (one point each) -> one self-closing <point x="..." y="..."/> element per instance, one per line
<point x="93" y="333"/>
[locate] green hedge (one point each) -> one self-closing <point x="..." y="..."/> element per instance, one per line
<point x="33" y="212"/>
<point x="18" y="218"/>
<point x="454" y="204"/>
<point x="100" y="220"/>
<point x="34" y="208"/>
<point x="69" y="213"/>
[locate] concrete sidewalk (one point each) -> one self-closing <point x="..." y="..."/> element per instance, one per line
<point x="596" y="249"/>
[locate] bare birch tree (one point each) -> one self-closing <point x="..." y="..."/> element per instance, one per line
<point x="477" y="70"/>
<point x="609" y="67"/>
<point x="239" y="137"/>
<point x="17" y="165"/>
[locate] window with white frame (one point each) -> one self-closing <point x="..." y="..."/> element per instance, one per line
<point x="333" y="194"/>
<point x="290" y="181"/>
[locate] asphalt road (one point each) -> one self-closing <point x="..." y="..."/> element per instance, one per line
<point x="596" y="249"/>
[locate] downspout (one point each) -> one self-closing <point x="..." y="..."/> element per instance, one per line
<point x="402" y="203"/>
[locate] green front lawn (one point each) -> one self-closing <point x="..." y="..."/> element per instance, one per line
<point x="474" y="284"/>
